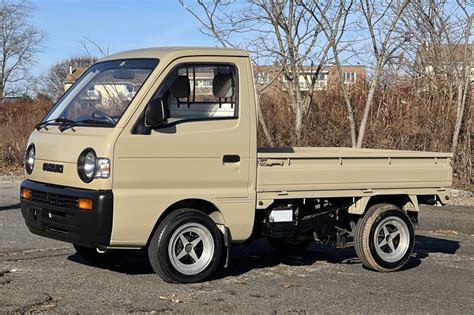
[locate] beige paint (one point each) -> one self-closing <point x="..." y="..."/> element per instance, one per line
<point x="316" y="169"/>
<point x="150" y="173"/>
<point x="155" y="171"/>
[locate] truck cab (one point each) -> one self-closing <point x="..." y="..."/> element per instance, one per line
<point x="156" y="148"/>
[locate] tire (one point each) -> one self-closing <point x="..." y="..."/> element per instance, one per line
<point x="384" y="238"/>
<point x="186" y="247"/>
<point x="289" y="246"/>
<point x="110" y="257"/>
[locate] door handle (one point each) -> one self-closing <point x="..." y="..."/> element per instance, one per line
<point x="230" y="158"/>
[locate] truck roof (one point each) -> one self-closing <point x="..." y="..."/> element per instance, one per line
<point x="176" y="52"/>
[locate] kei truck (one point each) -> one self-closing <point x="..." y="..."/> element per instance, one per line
<point x="156" y="149"/>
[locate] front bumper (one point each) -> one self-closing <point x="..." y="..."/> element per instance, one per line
<point x="52" y="212"/>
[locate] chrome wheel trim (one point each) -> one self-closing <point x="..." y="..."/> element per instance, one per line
<point x="391" y="239"/>
<point x="191" y="248"/>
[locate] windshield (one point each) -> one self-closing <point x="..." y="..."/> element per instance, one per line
<point x="103" y="93"/>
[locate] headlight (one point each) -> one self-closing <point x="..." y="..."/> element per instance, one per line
<point x="86" y="165"/>
<point x="89" y="166"/>
<point x="30" y="159"/>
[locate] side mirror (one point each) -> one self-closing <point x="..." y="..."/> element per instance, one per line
<point x="155" y="113"/>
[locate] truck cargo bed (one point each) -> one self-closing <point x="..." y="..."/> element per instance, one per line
<point x="324" y="169"/>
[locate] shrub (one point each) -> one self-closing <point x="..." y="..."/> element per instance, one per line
<point x="403" y="116"/>
<point x="17" y="120"/>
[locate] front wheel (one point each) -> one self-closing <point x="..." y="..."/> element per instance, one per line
<point x="186" y="247"/>
<point x="384" y="238"/>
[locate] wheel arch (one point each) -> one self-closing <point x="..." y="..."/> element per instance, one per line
<point x="202" y="205"/>
<point x="404" y="201"/>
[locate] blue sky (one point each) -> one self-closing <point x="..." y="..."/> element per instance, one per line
<point x="117" y="24"/>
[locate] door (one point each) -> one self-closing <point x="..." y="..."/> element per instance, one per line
<point x="201" y="152"/>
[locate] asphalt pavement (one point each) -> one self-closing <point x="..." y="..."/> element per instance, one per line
<point x="42" y="275"/>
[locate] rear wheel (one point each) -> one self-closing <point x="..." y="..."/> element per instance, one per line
<point x="288" y="245"/>
<point x="384" y="238"/>
<point x="109" y="257"/>
<point x="186" y="247"/>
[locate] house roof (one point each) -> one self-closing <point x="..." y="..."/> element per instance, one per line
<point x="76" y="73"/>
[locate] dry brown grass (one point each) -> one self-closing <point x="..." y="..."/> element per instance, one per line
<point x="17" y="120"/>
<point x="403" y="117"/>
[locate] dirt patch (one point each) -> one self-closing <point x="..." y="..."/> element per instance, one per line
<point x="460" y="197"/>
<point x="45" y="304"/>
<point x="11" y="177"/>
<point x="448" y="232"/>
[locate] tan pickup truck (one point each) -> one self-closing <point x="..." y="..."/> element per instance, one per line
<point x="156" y="148"/>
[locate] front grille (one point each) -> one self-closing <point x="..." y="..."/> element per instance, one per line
<point x="54" y="199"/>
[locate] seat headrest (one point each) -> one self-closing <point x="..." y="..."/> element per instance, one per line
<point x="180" y="87"/>
<point x="222" y="86"/>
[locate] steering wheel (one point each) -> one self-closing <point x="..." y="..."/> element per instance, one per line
<point x="98" y="114"/>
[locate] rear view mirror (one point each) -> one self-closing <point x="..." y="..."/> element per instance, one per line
<point x="123" y="74"/>
<point x="155" y="113"/>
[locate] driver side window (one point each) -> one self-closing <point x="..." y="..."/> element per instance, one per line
<point x="197" y="91"/>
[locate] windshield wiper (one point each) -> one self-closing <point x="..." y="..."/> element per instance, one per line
<point x="51" y="121"/>
<point x="73" y="123"/>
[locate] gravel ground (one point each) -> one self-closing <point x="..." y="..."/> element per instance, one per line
<point x="462" y="197"/>
<point x="41" y="275"/>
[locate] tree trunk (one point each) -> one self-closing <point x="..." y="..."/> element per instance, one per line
<point x="463" y="87"/>
<point x="262" y="122"/>
<point x="298" y="122"/>
<point x="347" y="101"/>
<point x="368" y="105"/>
<point x="2" y="91"/>
<point x="460" y="104"/>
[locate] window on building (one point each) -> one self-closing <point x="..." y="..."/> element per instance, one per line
<point x="262" y="77"/>
<point x="322" y="76"/>
<point x="321" y="81"/>
<point x="349" y="77"/>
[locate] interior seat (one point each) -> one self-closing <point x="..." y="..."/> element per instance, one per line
<point x="223" y="86"/>
<point x="180" y="87"/>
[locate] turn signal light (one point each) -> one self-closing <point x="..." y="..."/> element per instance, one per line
<point x="25" y="193"/>
<point x="84" y="204"/>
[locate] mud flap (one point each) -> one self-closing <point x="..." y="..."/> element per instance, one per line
<point x="227" y="243"/>
<point x="413" y="218"/>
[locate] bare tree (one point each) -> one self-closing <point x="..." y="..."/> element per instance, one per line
<point x="90" y="46"/>
<point x="438" y="56"/>
<point x="281" y="31"/>
<point x="19" y="42"/>
<point x="208" y="14"/>
<point x="334" y="23"/>
<point x="441" y="51"/>
<point x="381" y="19"/>
<point x="466" y="70"/>
<point x="376" y="22"/>
<point x="54" y="79"/>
